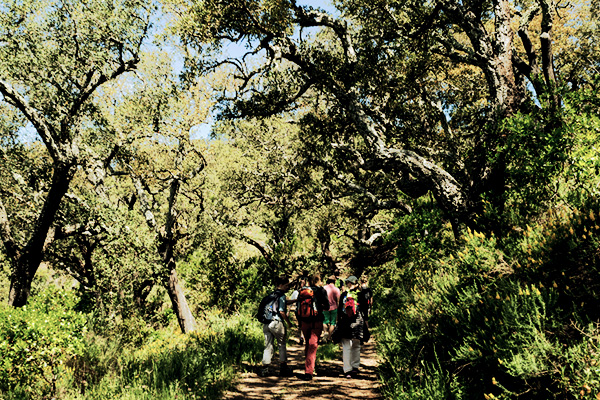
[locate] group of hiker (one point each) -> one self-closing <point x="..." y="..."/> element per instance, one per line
<point x="337" y="312"/>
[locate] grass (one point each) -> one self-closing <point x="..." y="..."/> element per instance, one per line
<point x="167" y="365"/>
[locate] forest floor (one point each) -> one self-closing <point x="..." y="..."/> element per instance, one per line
<point x="328" y="383"/>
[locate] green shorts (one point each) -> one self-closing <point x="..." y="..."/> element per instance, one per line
<point x="330" y="317"/>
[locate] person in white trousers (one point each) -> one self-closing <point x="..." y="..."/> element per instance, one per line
<point x="351" y="324"/>
<point x="276" y="330"/>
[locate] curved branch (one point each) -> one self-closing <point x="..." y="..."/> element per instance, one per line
<point x="43" y="128"/>
<point x="312" y="18"/>
<point x="376" y="203"/>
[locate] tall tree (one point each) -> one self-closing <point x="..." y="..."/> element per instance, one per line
<point x="267" y="186"/>
<point x="410" y="94"/>
<point x="164" y="164"/>
<point x="54" y="56"/>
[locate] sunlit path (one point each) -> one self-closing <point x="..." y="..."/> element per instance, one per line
<point x="329" y="382"/>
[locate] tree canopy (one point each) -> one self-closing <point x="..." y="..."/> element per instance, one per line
<point x="446" y="151"/>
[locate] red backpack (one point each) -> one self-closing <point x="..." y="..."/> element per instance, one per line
<point x="350" y="305"/>
<point x="307" y="305"/>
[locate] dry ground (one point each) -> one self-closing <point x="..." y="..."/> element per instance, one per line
<point x="329" y="383"/>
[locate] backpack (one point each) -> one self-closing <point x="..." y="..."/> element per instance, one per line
<point x="268" y="307"/>
<point x="307" y="305"/>
<point x="350" y="305"/>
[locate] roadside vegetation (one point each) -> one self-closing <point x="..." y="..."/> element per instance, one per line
<point x="161" y="162"/>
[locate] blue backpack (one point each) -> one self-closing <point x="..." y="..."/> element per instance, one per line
<point x="268" y="307"/>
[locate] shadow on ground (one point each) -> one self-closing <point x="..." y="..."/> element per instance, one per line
<point x="328" y="382"/>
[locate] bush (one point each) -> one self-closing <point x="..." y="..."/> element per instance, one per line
<point x="170" y="364"/>
<point x="497" y="319"/>
<point x="47" y="352"/>
<point x="36" y="343"/>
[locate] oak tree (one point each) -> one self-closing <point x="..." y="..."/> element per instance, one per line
<point x="55" y="56"/>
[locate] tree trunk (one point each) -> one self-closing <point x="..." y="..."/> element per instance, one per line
<point x="141" y="292"/>
<point x="494" y="55"/>
<point x="20" y="281"/>
<point x="182" y="311"/>
<point x="166" y="242"/>
<point x="325" y="240"/>
<point x="27" y="264"/>
<point x="186" y="320"/>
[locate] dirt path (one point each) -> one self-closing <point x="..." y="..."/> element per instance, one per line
<point x="329" y="383"/>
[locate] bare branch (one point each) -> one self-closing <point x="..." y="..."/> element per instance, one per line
<point x="43" y="128"/>
<point x="143" y="198"/>
<point x="317" y="18"/>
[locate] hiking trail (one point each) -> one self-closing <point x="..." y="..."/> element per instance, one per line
<point x="327" y="384"/>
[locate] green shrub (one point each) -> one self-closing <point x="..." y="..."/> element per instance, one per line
<point x="36" y="342"/>
<point x="328" y="351"/>
<point x="497" y="319"/>
<point x="169" y="364"/>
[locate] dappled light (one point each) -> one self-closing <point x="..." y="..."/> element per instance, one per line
<point x="166" y="165"/>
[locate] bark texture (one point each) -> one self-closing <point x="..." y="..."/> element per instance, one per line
<point x="26" y="263"/>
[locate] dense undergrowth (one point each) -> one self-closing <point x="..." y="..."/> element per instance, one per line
<point x="48" y="351"/>
<point x="510" y="310"/>
<point x="490" y="318"/>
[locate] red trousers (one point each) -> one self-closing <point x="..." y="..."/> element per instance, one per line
<point x="312" y="332"/>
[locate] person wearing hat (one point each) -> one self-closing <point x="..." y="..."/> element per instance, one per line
<point x="351" y="326"/>
<point x="276" y="330"/>
<point x="333" y="295"/>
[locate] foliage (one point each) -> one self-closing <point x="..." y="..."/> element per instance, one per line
<point x="55" y="56"/>
<point x="432" y="134"/>
<point x="47" y="351"/>
<point x="37" y="341"/>
<point x="218" y="279"/>
<point x="193" y="366"/>
<point x="328" y="351"/>
<point x="552" y="159"/>
<point x="497" y="319"/>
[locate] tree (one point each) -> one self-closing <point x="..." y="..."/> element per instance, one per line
<point x="414" y="94"/>
<point x="269" y="195"/>
<point x="164" y="165"/>
<point x="268" y="187"/>
<point x="54" y="56"/>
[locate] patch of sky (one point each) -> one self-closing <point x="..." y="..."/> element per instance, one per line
<point x="239" y="49"/>
<point x="231" y="50"/>
<point x="28" y="134"/>
<point x="203" y="130"/>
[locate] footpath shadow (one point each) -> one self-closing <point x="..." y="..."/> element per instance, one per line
<point x="328" y="382"/>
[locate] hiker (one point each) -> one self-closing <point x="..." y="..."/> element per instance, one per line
<point x="293" y="302"/>
<point x="330" y="316"/>
<point x="351" y="324"/>
<point x="276" y="329"/>
<point x="312" y="301"/>
<point x="339" y="282"/>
